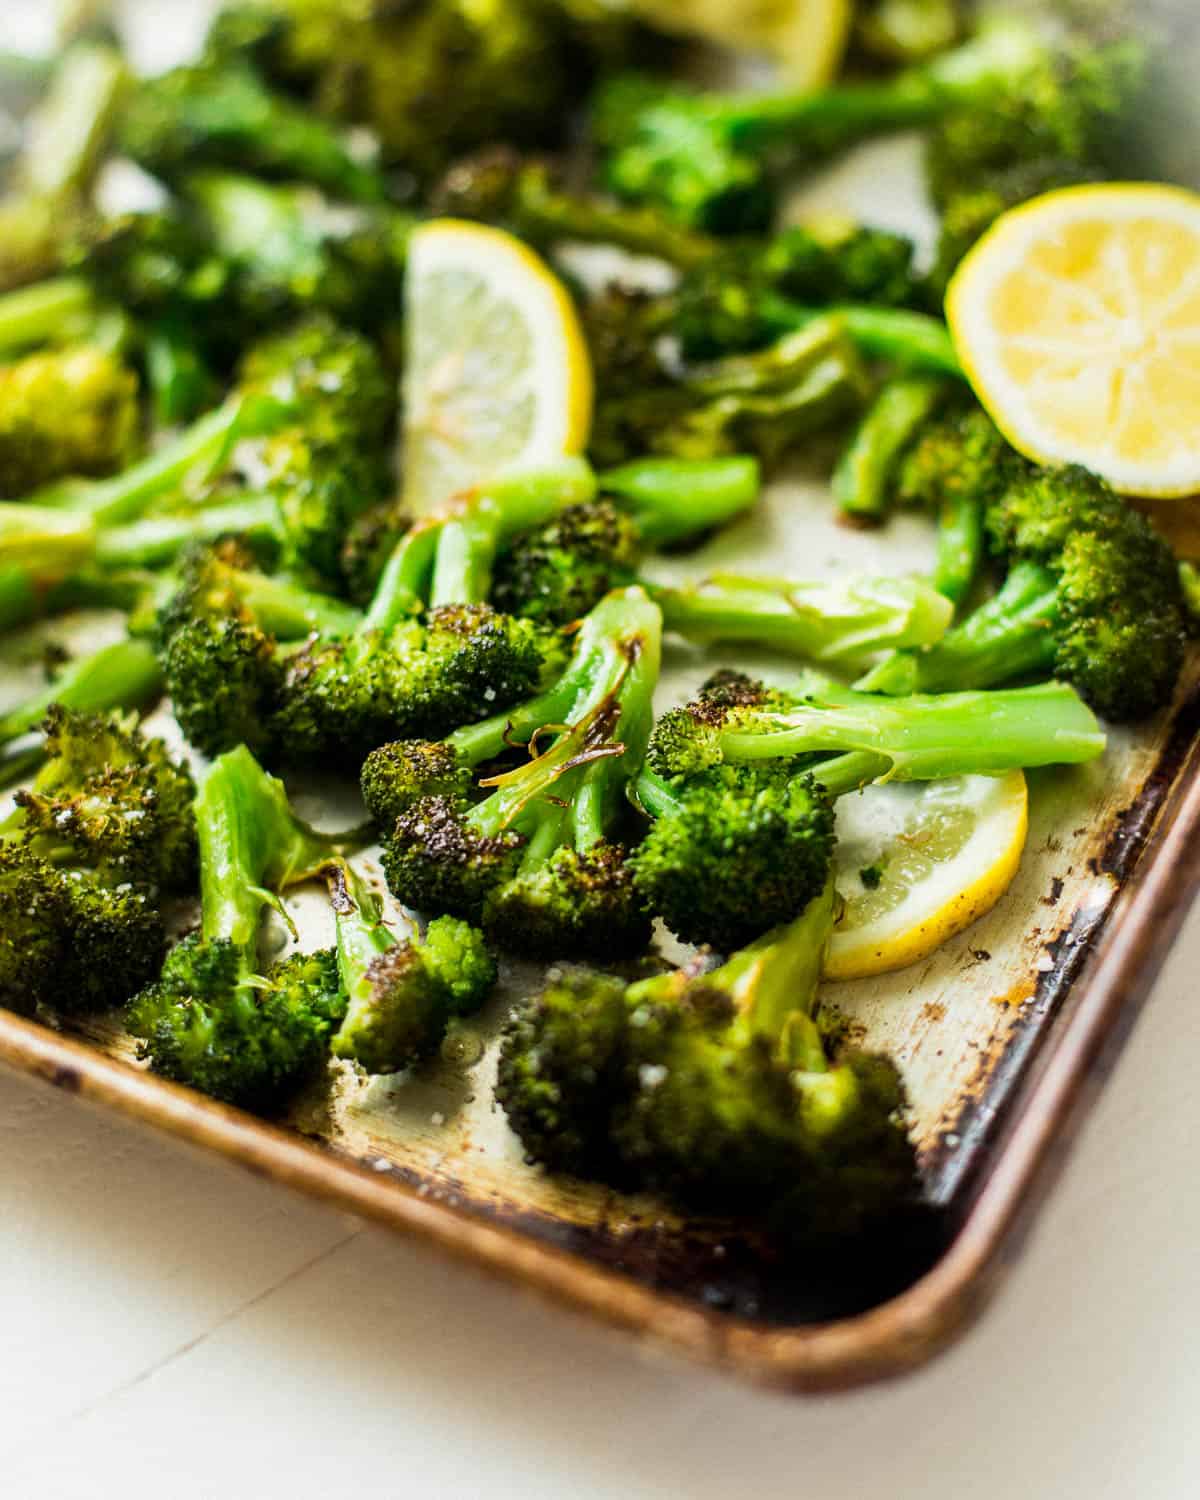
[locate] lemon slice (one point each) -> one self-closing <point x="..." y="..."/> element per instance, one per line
<point x="919" y="861"/>
<point x="497" y="374"/>
<point x="806" y="37"/>
<point x="1077" y="320"/>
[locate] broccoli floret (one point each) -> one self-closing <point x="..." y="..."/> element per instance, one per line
<point x="401" y="994"/>
<point x="499" y="70"/>
<point x="1092" y="595"/>
<point x="717" y="1088"/>
<point x="736" y="783"/>
<point x="539" y="861"/>
<point x="215" y="1019"/>
<point x="91" y="847"/>
<point x="222" y="114"/>
<point x="558" y="572"/>
<point x="70" y="411"/>
<point x="287" y="250"/>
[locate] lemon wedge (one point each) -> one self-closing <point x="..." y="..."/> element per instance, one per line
<point x="1077" y="320"/>
<point x="497" y="375"/>
<point x="806" y="37"/>
<point x="917" y="862"/>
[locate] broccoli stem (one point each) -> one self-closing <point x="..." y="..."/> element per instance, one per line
<point x="251" y="846"/>
<point x="967" y="75"/>
<point x="19" y="597"/>
<point x="127" y="495"/>
<point x="43" y="542"/>
<point x="123" y="675"/>
<point x="912" y="340"/>
<point x="447" y="557"/>
<point x="673" y="500"/>
<point x="154" y="540"/>
<point x="179" y="378"/>
<point x="834" y="622"/>
<point x="1011" y="635"/>
<point x="36" y="314"/>
<point x="931" y="736"/>
<point x="960" y="546"/>
<point x="70" y="129"/>
<point x="862" y="478"/>
<point x="615" y="692"/>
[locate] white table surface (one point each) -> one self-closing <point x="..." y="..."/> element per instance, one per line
<point x="173" y="1328"/>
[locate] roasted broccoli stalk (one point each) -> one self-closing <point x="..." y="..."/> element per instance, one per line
<point x="69" y="411"/>
<point x="559" y="571"/>
<point x="102" y="834"/>
<point x="124" y="675"/>
<point x="217" y="1018"/>
<point x="540" y="860"/>
<point x="862" y="479"/>
<point x="717" y="1088"/>
<point x="707" y="159"/>
<point x="224" y="115"/>
<point x="835" y="623"/>
<point x="401" y="994"/>
<point x="1092" y="596"/>
<point x="426" y="656"/>
<point x="740" y="785"/>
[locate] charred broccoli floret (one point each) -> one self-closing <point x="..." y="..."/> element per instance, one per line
<point x="539" y="861"/>
<point x="102" y="834"/>
<point x="401" y="994"/>
<point x="717" y="1088"/>
<point x="216" y="1018"/>
<point x="1092" y="595"/>
<point x="69" y="411"/>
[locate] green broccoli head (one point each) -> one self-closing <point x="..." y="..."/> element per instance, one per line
<point x="584" y="903"/>
<point x="114" y="943"/>
<point x="560" y="1070"/>
<point x="399" y="774"/>
<point x="64" y="412"/>
<point x="734" y="851"/>
<point x="435" y="860"/>
<point x="1034" y="516"/>
<point x="960" y="456"/>
<point x="34" y="909"/>
<point x="201" y="1023"/>
<point x="405" y="997"/>
<point x="1064" y="107"/>
<point x="111" y="800"/>
<point x="558" y="573"/>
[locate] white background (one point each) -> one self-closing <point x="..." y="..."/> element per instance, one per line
<point x="171" y="1328"/>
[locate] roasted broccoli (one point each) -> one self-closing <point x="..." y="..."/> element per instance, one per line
<point x="539" y="861"/>
<point x="69" y="411"/>
<point x="401" y="995"/>
<point x="862" y="478"/>
<point x="1092" y="596"/>
<point x="717" y="1088"/>
<point x="427" y="655"/>
<point x="741" y="798"/>
<point x="224" y="115"/>
<point x="123" y="675"/>
<point x="217" y="1018"/>
<point x="91" y="847"/>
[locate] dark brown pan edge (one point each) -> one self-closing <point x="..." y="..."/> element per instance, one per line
<point x="886" y="1341"/>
